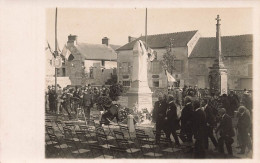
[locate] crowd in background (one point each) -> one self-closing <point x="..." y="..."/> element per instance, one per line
<point x="69" y="99"/>
<point x="200" y="116"/>
<point x="197" y="113"/>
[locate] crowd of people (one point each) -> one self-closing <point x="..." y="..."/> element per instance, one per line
<point x="201" y="117"/>
<point x="69" y="99"/>
<point x="198" y="115"/>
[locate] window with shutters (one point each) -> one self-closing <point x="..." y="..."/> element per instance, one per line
<point x="156" y="83"/>
<point x="103" y="63"/>
<point x="125" y="67"/>
<point x="126" y="83"/>
<point x="156" y="67"/>
<point x="63" y="72"/>
<point x="91" y="73"/>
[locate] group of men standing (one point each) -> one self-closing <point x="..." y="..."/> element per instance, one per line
<point x="201" y="119"/>
<point x="166" y="118"/>
<point x="69" y="99"/>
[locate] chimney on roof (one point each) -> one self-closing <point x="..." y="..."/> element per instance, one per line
<point x="105" y="41"/>
<point x="72" y="39"/>
<point x="130" y="38"/>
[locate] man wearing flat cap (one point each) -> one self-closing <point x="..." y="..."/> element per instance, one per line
<point x="226" y="132"/>
<point x="243" y="127"/>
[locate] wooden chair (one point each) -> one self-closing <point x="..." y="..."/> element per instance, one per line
<point x="57" y="144"/>
<point x="139" y="132"/>
<point x="160" y="133"/>
<point x="126" y="129"/>
<point x="49" y="129"/>
<point x="147" y="145"/>
<point x="125" y="144"/>
<point x="142" y="132"/>
<point x="71" y="126"/>
<point x="48" y="122"/>
<point x="89" y="132"/>
<point x="73" y="148"/>
<point x="59" y="125"/>
<point x="119" y="134"/>
<point x="68" y="134"/>
<point x="83" y="139"/>
<point x="101" y="130"/>
<point x="166" y="146"/>
<point x="96" y="150"/>
<point x="119" y="152"/>
<point x="103" y="141"/>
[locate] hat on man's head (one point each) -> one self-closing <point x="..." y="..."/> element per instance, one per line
<point x="241" y="109"/>
<point x="196" y="104"/>
<point x="108" y="103"/>
<point x="222" y="110"/>
<point x="170" y="97"/>
<point x="187" y="99"/>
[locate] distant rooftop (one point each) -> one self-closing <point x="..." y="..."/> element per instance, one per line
<point x="97" y="51"/>
<point x="232" y="46"/>
<point x="180" y="39"/>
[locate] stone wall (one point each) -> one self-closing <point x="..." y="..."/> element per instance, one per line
<point x="239" y="72"/>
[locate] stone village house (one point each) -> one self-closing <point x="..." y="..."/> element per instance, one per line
<point x="92" y="63"/>
<point x="194" y="55"/>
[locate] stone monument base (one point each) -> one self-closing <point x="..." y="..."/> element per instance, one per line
<point x="218" y="80"/>
<point x="140" y="96"/>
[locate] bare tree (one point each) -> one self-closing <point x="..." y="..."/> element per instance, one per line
<point x="168" y="58"/>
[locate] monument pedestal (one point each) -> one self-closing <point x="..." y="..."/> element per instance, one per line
<point x="140" y="96"/>
<point x="218" y="80"/>
<point x="218" y="72"/>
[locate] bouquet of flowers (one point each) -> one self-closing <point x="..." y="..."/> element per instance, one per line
<point x="139" y="116"/>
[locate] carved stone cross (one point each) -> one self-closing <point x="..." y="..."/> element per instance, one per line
<point x="218" y="19"/>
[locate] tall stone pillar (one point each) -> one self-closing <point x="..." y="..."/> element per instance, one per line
<point x="218" y="72"/>
<point x="140" y="95"/>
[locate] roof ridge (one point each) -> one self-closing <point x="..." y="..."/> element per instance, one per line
<point x="169" y="33"/>
<point x="231" y="36"/>
<point x="90" y="43"/>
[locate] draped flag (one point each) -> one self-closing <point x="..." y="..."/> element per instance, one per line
<point x="49" y="47"/>
<point x="151" y="53"/>
<point x="67" y="54"/>
<point x="170" y="78"/>
<point x="58" y="47"/>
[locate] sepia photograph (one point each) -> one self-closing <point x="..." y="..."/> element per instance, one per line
<point x="146" y="83"/>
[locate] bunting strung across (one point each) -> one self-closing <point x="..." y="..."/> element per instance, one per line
<point x="170" y="78"/>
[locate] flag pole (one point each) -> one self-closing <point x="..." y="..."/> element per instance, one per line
<point x="56" y="52"/>
<point x="146" y="28"/>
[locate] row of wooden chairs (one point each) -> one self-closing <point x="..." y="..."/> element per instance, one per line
<point x="124" y="143"/>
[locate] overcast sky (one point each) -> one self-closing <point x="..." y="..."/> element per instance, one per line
<point x="91" y="25"/>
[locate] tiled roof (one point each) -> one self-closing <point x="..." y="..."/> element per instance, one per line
<point x="96" y="51"/>
<point x="162" y="40"/>
<point x="241" y="45"/>
<point x="114" y="46"/>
